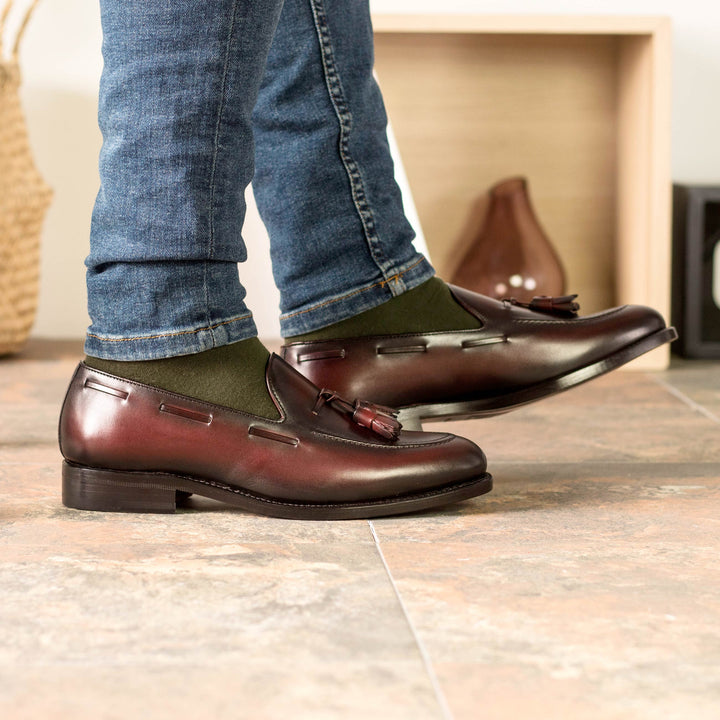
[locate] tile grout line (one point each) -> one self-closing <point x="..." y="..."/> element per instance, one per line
<point x="680" y="395"/>
<point x="439" y="694"/>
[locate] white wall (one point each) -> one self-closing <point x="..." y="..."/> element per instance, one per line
<point x="62" y="64"/>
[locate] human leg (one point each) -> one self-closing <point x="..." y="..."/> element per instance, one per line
<point x="177" y="92"/>
<point x="325" y="185"/>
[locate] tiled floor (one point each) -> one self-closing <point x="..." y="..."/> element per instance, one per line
<point x="586" y="585"/>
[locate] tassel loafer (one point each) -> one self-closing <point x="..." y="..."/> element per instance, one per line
<point x="136" y="448"/>
<point x="523" y="352"/>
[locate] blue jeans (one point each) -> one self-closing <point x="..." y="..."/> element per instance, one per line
<point x="193" y="95"/>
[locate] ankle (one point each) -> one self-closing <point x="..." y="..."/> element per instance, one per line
<point x="430" y="307"/>
<point x="230" y="375"/>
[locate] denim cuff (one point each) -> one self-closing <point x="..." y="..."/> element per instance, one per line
<point x="356" y="300"/>
<point x="185" y="341"/>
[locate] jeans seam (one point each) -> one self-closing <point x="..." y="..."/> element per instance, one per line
<point x="344" y="116"/>
<point x="173" y="334"/>
<point x="393" y="278"/>
<point x="213" y="166"/>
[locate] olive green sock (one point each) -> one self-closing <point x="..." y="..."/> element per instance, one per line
<point x="430" y="307"/>
<point x="231" y="375"/>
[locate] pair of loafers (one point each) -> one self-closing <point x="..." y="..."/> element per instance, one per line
<point x="135" y="448"/>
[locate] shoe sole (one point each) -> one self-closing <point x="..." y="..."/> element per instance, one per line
<point x="411" y="417"/>
<point x="86" y="488"/>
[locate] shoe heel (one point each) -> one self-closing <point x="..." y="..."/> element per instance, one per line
<point x="85" y="488"/>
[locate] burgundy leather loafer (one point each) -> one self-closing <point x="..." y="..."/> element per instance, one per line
<point x="522" y="353"/>
<point x="135" y="448"/>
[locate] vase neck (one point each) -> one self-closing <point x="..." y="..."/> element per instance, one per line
<point x="510" y="204"/>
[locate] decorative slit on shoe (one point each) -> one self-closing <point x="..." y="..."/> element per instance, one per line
<point x="479" y="342"/>
<point x="94" y="385"/>
<point x="270" y="435"/>
<point x="322" y="355"/>
<point x="193" y="415"/>
<point x="399" y="349"/>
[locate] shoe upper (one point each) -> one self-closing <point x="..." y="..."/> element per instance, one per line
<point x="516" y="347"/>
<point x="316" y="451"/>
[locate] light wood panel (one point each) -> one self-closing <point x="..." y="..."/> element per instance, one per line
<point x="487" y="111"/>
<point x="517" y="23"/>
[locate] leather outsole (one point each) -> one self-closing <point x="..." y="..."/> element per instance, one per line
<point x="411" y="417"/>
<point x="86" y="488"/>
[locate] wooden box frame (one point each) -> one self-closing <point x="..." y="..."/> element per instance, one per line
<point x="640" y="236"/>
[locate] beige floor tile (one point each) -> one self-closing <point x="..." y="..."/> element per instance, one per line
<point x="593" y="589"/>
<point x="530" y="504"/>
<point x="124" y="616"/>
<point x="302" y="602"/>
<point x="47" y="350"/>
<point x="697" y="380"/>
<point x="276" y="617"/>
<point x="33" y="380"/>
<point x="28" y="424"/>
<point x="248" y="689"/>
<point x="26" y="452"/>
<point x="500" y="692"/>
<point x="621" y="417"/>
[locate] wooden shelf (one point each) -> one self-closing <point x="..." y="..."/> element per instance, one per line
<point x="578" y="104"/>
<point x="523" y="24"/>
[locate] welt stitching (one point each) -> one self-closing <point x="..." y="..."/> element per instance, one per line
<point x="273" y="501"/>
<point x="371" y="501"/>
<point x="571" y="321"/>
<point x="339" y="103"/>
<point x="362" y="340"/>
<point x="446" y="438"/>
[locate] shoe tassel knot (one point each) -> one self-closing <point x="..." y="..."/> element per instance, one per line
<point x="378" y="418"/>
<point x="563" y="306"/>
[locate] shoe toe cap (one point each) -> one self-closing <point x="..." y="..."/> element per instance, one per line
<point x="473" y="458"/>
<point x="644" y="318"/>
<point x="443" y="457"/>
<point x="631" y="323"/>
<point x="466" y="458"/>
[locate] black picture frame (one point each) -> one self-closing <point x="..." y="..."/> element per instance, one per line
<point x="695" y="268"/>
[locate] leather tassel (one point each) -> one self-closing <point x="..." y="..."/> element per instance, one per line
<point x="564" y="306"/>
<point x="378" y="418"/>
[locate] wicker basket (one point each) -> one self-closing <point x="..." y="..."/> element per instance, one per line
<point x="24" y="200"/>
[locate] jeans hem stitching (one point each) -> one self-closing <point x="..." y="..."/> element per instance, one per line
<point x="172" y="334"/>
<point x="393" y="278"/>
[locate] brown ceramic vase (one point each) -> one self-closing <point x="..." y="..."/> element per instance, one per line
<point x="511" y="256"/>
